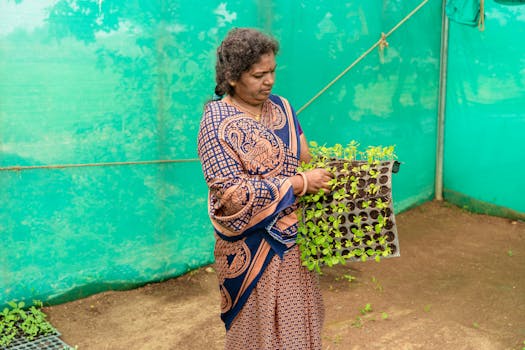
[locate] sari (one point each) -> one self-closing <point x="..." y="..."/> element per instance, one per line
<point x="251" y="204"/>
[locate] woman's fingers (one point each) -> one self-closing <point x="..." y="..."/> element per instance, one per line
<point x="318" y="179"/>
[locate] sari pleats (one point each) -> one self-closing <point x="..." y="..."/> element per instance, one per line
<point x="284" y="311"/>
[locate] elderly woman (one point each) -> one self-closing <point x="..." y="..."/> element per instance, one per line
<point x="250" y="144"/>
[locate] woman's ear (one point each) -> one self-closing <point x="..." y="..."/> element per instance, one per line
<point x="232" y="83"/>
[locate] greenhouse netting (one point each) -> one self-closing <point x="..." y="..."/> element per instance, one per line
<point x="100" y="103"/>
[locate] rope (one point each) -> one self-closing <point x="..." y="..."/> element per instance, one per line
<point x="481" y="20"/>
<point x="61" y="166"/>
<point x="382" y="43"/>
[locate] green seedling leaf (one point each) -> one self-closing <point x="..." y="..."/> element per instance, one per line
<point x="366" y="309"/>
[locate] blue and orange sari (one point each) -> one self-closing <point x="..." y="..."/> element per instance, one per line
<point x="251" y="203"/>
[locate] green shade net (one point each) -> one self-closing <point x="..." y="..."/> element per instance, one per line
<point x="91" y="82"/>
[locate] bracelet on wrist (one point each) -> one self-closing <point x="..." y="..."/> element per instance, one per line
<point x="305" y="183"/>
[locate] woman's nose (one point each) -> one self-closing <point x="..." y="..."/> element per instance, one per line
<point x="270" y="79"/>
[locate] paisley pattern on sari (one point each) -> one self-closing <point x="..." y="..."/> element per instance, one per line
<point x="251" y="203"/>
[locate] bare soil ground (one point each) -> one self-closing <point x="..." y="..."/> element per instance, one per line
<point x="459" y="284"/>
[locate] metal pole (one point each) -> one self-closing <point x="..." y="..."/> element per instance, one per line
<point x="442" y="105"/>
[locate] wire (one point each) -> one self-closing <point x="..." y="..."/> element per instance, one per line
<point x="60" y="166"/>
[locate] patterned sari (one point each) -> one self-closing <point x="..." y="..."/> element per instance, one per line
<point x="251" y="202"/>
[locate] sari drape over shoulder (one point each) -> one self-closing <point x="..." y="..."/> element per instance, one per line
<point x="251" y="203"/>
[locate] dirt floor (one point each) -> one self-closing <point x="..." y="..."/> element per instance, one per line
<point x="459" y="284"/>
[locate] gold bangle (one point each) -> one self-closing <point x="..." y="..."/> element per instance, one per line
<point x="305" y="183"/>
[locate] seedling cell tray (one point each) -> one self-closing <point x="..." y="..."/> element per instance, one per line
<point x="361" y="203"/>
<point x="49" y="342"/>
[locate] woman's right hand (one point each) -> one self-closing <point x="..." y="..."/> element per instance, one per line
<point x="318" y="179"/>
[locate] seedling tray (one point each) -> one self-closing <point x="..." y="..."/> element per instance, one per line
<point x="48" y="342"/>
<point x="366" y="226"/>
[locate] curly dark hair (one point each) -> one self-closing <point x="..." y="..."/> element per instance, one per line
<point x="241" y="48"/>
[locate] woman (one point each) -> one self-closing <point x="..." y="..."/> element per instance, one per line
<point x="250" y="144"/>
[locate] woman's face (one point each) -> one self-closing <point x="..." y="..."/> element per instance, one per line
<point x="255" y="85"/>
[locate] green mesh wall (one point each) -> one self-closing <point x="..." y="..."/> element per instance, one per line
<point x="388" y="98"/>
<point x="485" y="114"/>
<point x="107" y="81"/>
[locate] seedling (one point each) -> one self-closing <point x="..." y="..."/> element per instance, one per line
<point x="335" y="339"/>
<point x="377" y="285"/>
<point x="366" y="309"/>
<point x="358" y="187"/>
<point x="17" y="322"/>
<point x="358" y="323"/>
<point x="347" y="277"/>
<point x="366" y="314"/>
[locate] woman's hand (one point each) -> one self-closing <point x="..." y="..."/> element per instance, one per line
<point x="318" y="179"/>
<point x="315" y="179"/>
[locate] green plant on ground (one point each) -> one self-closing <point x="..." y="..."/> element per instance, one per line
<point x="347" y="277"/>
<point x="337" y="339"/>
<point x="355" y="183"/>
<point x="366" y="314"/>
<point x="17" y="322"/>
<point x="366" y="309"/>
<point x="358" y="323"/>
<point x="377" y="284"/>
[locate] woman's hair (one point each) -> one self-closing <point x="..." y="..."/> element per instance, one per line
<point x="241" y="48"/>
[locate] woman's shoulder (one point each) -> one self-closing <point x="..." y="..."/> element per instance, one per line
<point x="217" y="109"/>
<point x="277" y="99"/>
<point x="215" y="112"/>
<point x="213" y="105"/>
<point x="282" y="102"/>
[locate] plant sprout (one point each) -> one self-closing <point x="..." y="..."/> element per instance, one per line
<point x="324" y="219"/>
